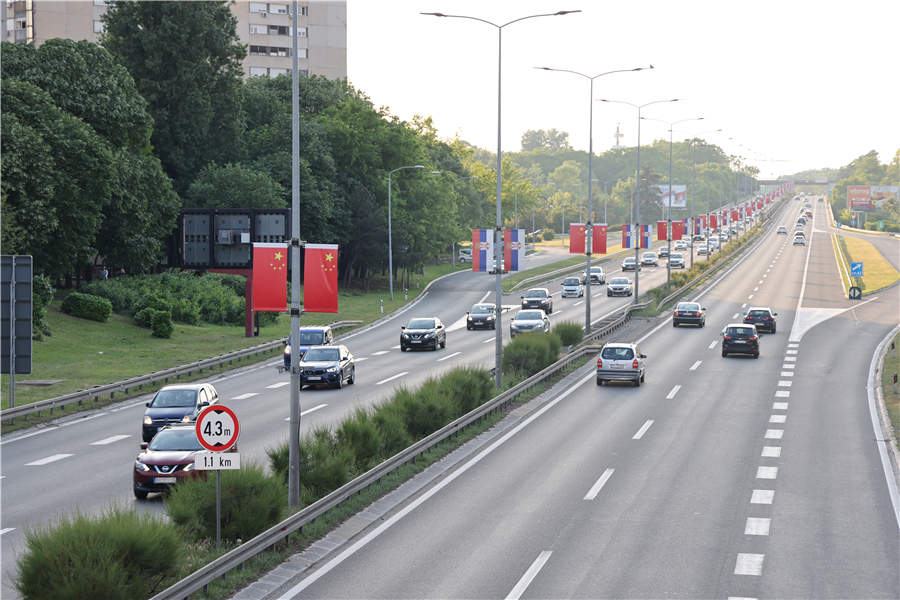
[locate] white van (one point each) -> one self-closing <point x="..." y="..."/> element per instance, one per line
<point x="465" y="255"/>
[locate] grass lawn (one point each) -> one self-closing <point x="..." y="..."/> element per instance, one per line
<point x="892" y="400"/>
<point x="877" y="272"/>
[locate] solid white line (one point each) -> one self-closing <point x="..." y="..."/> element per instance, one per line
<point x="449" y="356"/>
<point x="640" y="432"/>
<point x="871" y="384"/>
<point x="695" y="365"/>
<point x="47" y="460"/>
<point x="330" y="565"/>
<point x="756" y="289"/>
<point x="489" y="340"/>
<point x="392" y="377"/>
<point x="777" y="418"/>
<point x="245" y="396"/>
<point x="361" y="358"/>
<point x="380" y="352"/>
<point x="741" y="598"/>
<point x="277" y="385"/>
<point x="109" y="440"/>
<point x="7" y="530"/>
<point x="529" y="575"/>
<point x="782" y="394"/>
<point x="766" y="472"/>
<point x="774" y="434"/>
<point x="712" y="345"/>
<point x="309" y="410"/>
<point x="779" y="406"/>
<point x="757" y="526"/>
<point x="762" y="497"/>
<point x="749" y="564"/>
<point x="785" y="383"/>
<point x="595" y="489"/>
<point x="672" y="393"/>
<point x="483" y="298"/>
<point x="771" y="452"/>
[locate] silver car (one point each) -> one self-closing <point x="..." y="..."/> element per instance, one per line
<point x="676" y="261"/>
<point x="621" y="362"/>
<point x="618" y="286"/>
<point x="529" y="320"/>
<point x="571" y="287"/>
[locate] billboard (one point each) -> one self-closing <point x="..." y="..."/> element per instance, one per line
<point x="679" y="195"/>
<point x="870" y="197"/>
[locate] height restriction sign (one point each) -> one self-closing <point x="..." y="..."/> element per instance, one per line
<point x="217" y="428"/>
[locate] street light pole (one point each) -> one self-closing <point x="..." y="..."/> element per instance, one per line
<point x="498" y="232"/>
<point x="390" y="241"/>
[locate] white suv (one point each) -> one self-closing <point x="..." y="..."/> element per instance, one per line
<point x="621" y="362"/>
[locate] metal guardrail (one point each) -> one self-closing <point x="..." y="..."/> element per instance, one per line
<point x="235" y="558"/>
<point x="165" y="375"/>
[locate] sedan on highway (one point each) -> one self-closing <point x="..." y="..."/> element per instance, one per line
<point x="763" y="317"/>
<point x="799" y="240"/>
<point x="782" y="229"/>
<point x="482" y="316"/>
<point x="620" y="362"/>
<point x="538" y="298"/>
<point x="423" y="333"/>
<point x="619" y="286"/>
<point x="689" y="313"/>
<point x="327" y="365"/>
<point x="176" y="404"/>
<point x="630" y="264"/>
<point x="680" y="245"/>
<point x="676" y="261"/>
<point x="572" y="288"/>
<point x="738" y="338"/>
<point x="702" y="249"/>
<point x="167" y="459"/>
<point x="529" y="320"/>
<point x="663" y="252"/>
<point x="309" y="336"/>
<point x="649" y="259"/>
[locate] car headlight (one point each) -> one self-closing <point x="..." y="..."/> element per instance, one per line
<point x="188" y="467"/>
<point x="490" y="318"/>
<point x="287" y="349"/>
<point x="331" y="370"/>
<point x="186" y="419"/>
<point x="140" y="466"/>
<point x="428" y="336"/>
<point x="148" y="420"/>
<point x="404" y="336"/>
<point x="469" y="318"/>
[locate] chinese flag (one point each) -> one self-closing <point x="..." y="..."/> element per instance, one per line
<point x="320" y="278"/>
<point x="576" y="238"/>
<point x="734" y="214"/>
<point x="712" y="221"/>
<point x="268" y="286"/>
<point x="598" y="239"/>
<point x="662" y="230"/>
<point x="677" y="230"/>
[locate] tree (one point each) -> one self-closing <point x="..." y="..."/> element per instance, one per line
<point x="234" y="186"/>
<point x="185" y="58"/>
<point x="549" y="139"/>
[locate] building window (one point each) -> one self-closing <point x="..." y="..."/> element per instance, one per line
<point x="279" y="30"/>
<point x="303" y="52"/>
<point x="98" y="27"/>
<point x="258" y="72"/>
<point x="304" y="11"/>
<point x="301" y="32"/>
<point x="276" y="72"/>
<point x="261" y="29"/>
<point x="280" y="51"/>
<point x="258" y="7"/>
<point x="278" y="9"/>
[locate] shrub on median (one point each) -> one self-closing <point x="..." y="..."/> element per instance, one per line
<point x="528" y="353"/>
<point x="87" y="306"/>
<point x="569" y="333"/>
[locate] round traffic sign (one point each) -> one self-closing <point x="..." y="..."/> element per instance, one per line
<point x="217" y="428"/>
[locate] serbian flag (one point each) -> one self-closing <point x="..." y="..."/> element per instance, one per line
<point x="677" y="230"/>
<point x="576" y="238"/>
<point x="598" y="239"/>
<point x="686" y="225"/>
<point x="662" y="230"/>
<point x="482" y="249"/>
<point x="698" y="225"/>
<point x="713" y="221"/>
<point x="646" y="239"/>
<point x="320" y="278"/>
<point x="724" y="218"/>
<point x="268" y="287"/>
<point x="513" y="249"/>
<point x="627" y="236"/>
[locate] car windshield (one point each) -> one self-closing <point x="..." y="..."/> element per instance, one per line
<point x="175" y="439"/>
<point x="688" y="306"/>
<point x="482" y="309"/>
<point x="322" y="355"/>
<point x="529" y="315"/>
<point x="649" y="255"/>
<point x="421" y="324"/>
<point x="571" y="281"/>
<point x="759" y="313"/>
<point x="596" y="269"/>
<point x="676" y="256"/>
<point x="311" y="338"/>
<point x="618" y="281"/>
<point x="535" y="294"/>
<point x="617" y="353"/>
<point x="740" y="331"/>
<point x="628" y="260"/>
<point x="171" y="398"/>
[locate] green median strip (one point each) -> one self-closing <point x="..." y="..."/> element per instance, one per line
<point x="877" y="272"/>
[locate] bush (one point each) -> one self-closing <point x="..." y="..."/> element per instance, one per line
<point x="391" y="424"/>
<point x="161" y="324"/>
<point x="528" y="353"/>
<point x="251" y="503"/>
<point x="185" y="311"/>
<point x="87" y="306"/>
<point x="360" y="435"/>
<point x="569" y="333"/>
<point x="548" y="235"/>
<point x="119" y="555"/>
<point x="42" y="294"/>
<point x="468" y="387"/>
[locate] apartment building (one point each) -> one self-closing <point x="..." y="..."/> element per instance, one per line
<point x="265" y="28"/>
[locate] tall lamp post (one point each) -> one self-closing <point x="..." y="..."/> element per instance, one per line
<point x="498" y="232"/>
<point x="390" y="241"/>
<point x="671" y="125"/>
<point x="588" y="225"/>
<point x="637" y="204"/>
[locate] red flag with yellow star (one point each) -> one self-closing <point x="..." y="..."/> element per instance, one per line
<point x="320" y="278"/>
<point x="269" y="279"/>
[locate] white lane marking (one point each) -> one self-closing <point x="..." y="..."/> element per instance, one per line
<point x="779" y="406"/>
<point x="7" y="530"/>
<point x="793" y="345"/>
<point x="695" y="365"/>
<point x="361" y="358"/>
<point x="595" y="489"/>
<point x="337" y="560"/>
<point x="766" y="274"/>
<point x="397" y="347"/>
<point x="744" y="305"/>
<point x="712" y="345"/>
<point x="762" y="497"/>
<point x="277" y="385"/>
<point x="735" y="315"/>
<point x="598" y="295"/>
<point x="380" y="352"/>
<point x="672" y="393"/>
<point x="529" y="575"/>
<point x="48" y="460"/>
<point x="245" y="396"/>
<point x="489" y="340"/>
<point x="109" y="440"/>
<point x="757" y="526"/>
<point x="871" y="382"/>
<point x="640" y="432"/>
<point x="578" y="303"/>
<point x="741" y="598"/>
<point x="749" y="564"/>
<point x="774" y="434"/>
<point x="760" y="281"/>
<point x="449" y="356"/>
<point x="778" y="419"/>
<point x="785" y="383"/>
<point x="309" y="410"/>
<point x="127" y="406"/>
<point x="782" y="394"/>
<point x="483" y="298"/>
<point x="750" y="297"/>
<point x="392" y="377"/>
<point x="790" y="352"/>
<point x="767" y="270"/>
<point x="790" y="358"/>
<point x="787" y="374"/>
<point x="766" y="472"/>
<point x="771" y="452"/>
<point x="756" y="289"/>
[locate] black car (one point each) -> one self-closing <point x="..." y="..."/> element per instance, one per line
<point x="327" y="365"/>
<point x="762" y="317"/>
<point x="689" y="313"/>
<point x="738" y="338"/>
<point x="423" y="333"/>
<point x="174" y="404"/>
<point x="538" y="298"/>
<point x="482" y="316"/>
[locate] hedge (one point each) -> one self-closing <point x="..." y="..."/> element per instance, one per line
<point x="87" y="306"/>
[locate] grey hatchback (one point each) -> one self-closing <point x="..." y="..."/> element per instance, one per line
<point x="621" y="362"/>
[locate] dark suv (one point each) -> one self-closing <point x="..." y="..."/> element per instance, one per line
<point x="538" y="298"/>
<point x="762" y="317"/>
<point x="422" y="333"/>
<point x="738" y="338"/>
<point x="309" y="336"/>
<point x="176" y="404"/>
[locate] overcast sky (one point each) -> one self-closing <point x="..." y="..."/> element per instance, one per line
<point x="795" y="84"/>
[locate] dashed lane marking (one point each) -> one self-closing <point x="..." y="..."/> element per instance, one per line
<point x="449" y="356"/>
<point x="756" y="289"/>
<point x="774" y="434"/>
<point x="793" y="345"/>
<point x="762" y="497"/>
<point x="7" y="530"/>
<point x="640" y="432"/>
<point x="529" y="575"/>
<point x="361" y="358"/>
<point x="580" y="302"/>
<point x="392" y="377"/>
<point x="309" y="410"/>
<point x="595" y="489"/>
<point x="695" y="365"/>
<point x="790" y="359"/>
<point x="787" y="374"/>
<point x="489" y="340"/>
<point x="757" y="526"/>
<point x="749" y="564"/>
<point x="778" y="419"/>
<point x="672" y="393"/>
<point x="380" y="352"/>
<point x="45" y="461"/>
<point x="712" y="345"/>
<point x="109" y="440"/>
<point x="779" y="406"/>
<point x="245" y="396"/>
<point x="277" y="385"/>
<point x="771" y="452"/>
<point x="790" y="352"/>
<point x="750" y="297"/>
<point x="782" y="394"/>
<point x="785" y="383"/>
<point x="766" y="472"/>
<point x="736" y="315"/>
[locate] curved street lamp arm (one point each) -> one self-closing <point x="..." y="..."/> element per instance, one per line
<point x="558" y="13"/>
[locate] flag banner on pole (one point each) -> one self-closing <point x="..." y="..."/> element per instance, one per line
<point x="698" y="226"/>
<point x="320" y="278"/>
<point x="713" y="221"/>
<point x="677" y="230"/>
<point x="661" y="230"/>
<point x="734" y="214"/>
<point x="724" y="218"/>
<point x="576" y="238"/>
<point x="686" y="222"/>
<point x="268" y="286"/>
<point x="514" y="249"/>
<point x="598" y="239"/>
<point x="482" y="249"/>
<point x="749" y="209"/>
<point x="646" y="238"/>
<point x="627" y="241"/>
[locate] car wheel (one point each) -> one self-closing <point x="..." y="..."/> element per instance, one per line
<point x="724" y="354"/>
<point x="402" y="348"/>
<point x="674" y="323"/>
<point x="756" y="355"/>
<point x="340" y="382"/>
<point x="702" y="323"/>
<point x="636" y="382"/>
<point x="608" y="294"/>
<point x="642" y="377"/>
<point x="444" y="343"/>
<point x="494" y="327"/>
<point x="774" y="328"/>
<point x="352" y="379"/>
<point x="140" y="494"/>
<point x="630" y="293"/>
<point x="469" y="327"/>
<point x="599" y="381"/>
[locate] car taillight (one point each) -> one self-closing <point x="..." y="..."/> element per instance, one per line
<point x="676" y="313"/>
<point x="727" y="338"/>
<point x="634" y="364"/>
<point x="754" y="338"/>
<point x="599" y="363"/>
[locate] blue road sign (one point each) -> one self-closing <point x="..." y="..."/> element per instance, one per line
<point x="856" y="269"/>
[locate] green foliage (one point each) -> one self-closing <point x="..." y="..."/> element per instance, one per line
<point x="120" y="555"/>
<point x="234" y="186"/>
<point x="529" y="353"/>
<point x="360" y="434"/>
<point x="548" y="235"/>
<point x="161" y="324"/>
<point x="41" y="295"/>
<point x="569" y="333"/>
<point x="251" y="503"/>
<point x="87" y="306"/>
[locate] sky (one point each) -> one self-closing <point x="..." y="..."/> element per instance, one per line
<point x="792" y="84"/>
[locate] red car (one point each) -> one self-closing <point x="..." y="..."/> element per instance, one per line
<point x="167" y="459"/>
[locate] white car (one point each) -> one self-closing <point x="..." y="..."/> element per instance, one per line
<point x="649" y="259"/>
<point x="702" y="249"/>
<point x="572" y="288"/>
<point x="465" y="255"/>
<point x="799" y="240"/>
<point x="680" y="245"/>
<point x="597" y="275"/>
<point x="529" y="320"/>
<point x="620" y="362"/>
